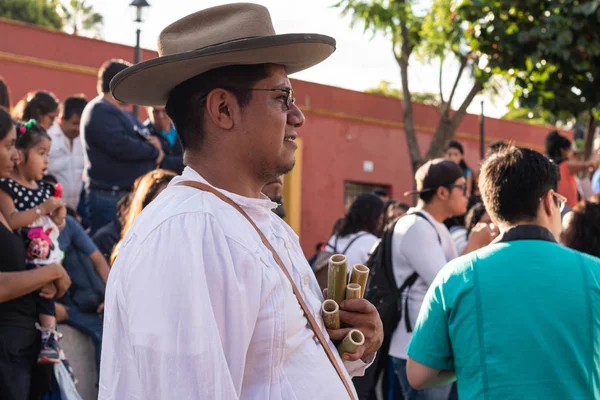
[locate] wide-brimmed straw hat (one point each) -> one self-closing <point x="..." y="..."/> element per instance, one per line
<point x="231" y="34"/>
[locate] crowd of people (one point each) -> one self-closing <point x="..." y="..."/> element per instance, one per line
<point x="485" y="288"/>
<point x="75" y="176"/>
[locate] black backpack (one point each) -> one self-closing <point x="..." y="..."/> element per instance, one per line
<point x="383" y="293"/>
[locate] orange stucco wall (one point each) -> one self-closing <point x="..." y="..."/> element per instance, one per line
<point x="344" y="128"/>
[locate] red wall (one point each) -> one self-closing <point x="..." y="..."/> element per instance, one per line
<point x="343" y="127"/>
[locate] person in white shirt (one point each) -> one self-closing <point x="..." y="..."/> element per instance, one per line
<point x="422" y="245"/>
<point x="359" y="230"/>
<point x="197" y="304"/>
<point x="66" y="157"/>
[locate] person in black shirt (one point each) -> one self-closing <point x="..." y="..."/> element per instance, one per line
<point x="19" y="340"/>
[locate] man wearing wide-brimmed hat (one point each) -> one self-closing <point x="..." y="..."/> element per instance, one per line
<point x="211" y="296"/>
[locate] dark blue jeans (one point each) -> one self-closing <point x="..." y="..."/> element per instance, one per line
<point x="102" y="207"/>
<point x="89" y="324"/>
<point x="440" y="393"/>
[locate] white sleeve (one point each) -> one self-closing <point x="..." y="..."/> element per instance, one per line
<point x="191" y="310"/>
<point x="423" y="251"/>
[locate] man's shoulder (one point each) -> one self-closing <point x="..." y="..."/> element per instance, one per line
<point x="194" y="212"/>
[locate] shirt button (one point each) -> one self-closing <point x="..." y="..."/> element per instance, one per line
<point x="305" y="280"/>
<point x="288" y="244"/>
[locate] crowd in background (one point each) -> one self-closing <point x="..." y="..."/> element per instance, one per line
<point x="110" y="166"/>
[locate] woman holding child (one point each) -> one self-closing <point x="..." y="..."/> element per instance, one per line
<point x="21" y="286"/>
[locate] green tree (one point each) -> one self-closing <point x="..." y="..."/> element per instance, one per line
<point x="38" y="12"/>
<point x="559" y="63"/>
<point x="436" y="36"/>
<point x="79" y="17"/>
<point x="385" y="88"/>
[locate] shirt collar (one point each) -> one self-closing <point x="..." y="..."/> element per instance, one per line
<point x="525" y="232"/>
<point x="264" y="203"/>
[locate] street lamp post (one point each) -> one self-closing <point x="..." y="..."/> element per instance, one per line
<point x="139" y="6"/>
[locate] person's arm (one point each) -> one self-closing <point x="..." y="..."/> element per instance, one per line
<point x="17" y="284"/>
<point x="421" y="247"/>
<point x="421" y="376"/>
<point x="191" y="307"/>
<point x="108" y="132"/>
<point x="481" y="235"/>
<point x="100" y="265"/>
<point x="576" y="166"/>
<point x="430" y="357"/>
<point x="20" y="219"/>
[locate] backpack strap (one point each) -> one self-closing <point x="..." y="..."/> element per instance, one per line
<point x="413" y="277"/>
<point x="351" y="242"/>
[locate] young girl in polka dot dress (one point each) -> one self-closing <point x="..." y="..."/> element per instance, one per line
<point x="30" y="207"/>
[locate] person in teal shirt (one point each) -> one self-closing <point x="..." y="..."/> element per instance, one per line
<point x="520" y="318"/>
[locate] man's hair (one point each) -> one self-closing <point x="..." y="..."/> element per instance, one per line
<point x="186" y="103"/>
<point x="555" y="142"/>
<point x="495" y="147"/>
<point x="512" y="182"/>
<point x="108" y="70"/>
<point x="380" y="193"/>
<point x="73" y="105"/>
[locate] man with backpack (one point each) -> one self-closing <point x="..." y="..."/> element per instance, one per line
<point x="421" y="245"/>
<point x="518" y="319"/>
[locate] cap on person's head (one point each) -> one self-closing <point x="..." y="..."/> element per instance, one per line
<point x="434" y="174"/>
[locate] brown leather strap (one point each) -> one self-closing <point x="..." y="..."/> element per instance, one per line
<point x="309" y="316"/>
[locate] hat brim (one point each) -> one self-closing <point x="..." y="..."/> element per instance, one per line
<point x="149" y="83"/>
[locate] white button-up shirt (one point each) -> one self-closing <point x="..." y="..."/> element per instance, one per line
<point x="66" y="160"/>
<point x="197" y="307"/>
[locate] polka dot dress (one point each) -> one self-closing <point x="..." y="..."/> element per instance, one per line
<point x="24" y="197"/>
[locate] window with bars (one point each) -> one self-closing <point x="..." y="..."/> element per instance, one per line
<point x="354" y="189"/>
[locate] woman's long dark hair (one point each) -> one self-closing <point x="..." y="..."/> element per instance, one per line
<point x="453" y="144"/>
<point x="583" y="232"/>
<point x="364" y="215"/>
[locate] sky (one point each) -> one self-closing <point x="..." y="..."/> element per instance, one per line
<point x="360" y="61"/>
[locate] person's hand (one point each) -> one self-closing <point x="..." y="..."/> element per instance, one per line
<point x="62" y="283"/>
<point x="48" y="291"/>
<point x="154" y="141"/>
<point x="62" y="312"/>
<point x="362" y="315"/>
<point x="50" y="205"/>
<point x="482" y="235"/>
<point x="100" y="308"/>
<point x="59" y="215"/>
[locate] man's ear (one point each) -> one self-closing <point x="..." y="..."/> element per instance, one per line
<point x="442" y="192"/>
<point x="547" y="204"/>
<point x="221" y="106"/>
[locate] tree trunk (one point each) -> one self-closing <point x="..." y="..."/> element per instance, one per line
<point x="447" y="125"/>
<point x="409" y="123"/>
<point x="588" y="142"/>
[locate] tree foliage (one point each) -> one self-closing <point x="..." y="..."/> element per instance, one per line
<point x="435" y="35"/>
<point x="80" y="17"/>
<point x="558" y="66"/>
<point x="38" y="12"/>
<point x="385" y="88"/>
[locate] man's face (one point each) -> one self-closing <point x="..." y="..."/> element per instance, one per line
<point x="159" y="118"/>
<point x="274" y="189"/>
<point x="71" y="126"/>
<point x="457" y="200"/>
<point x="269" y="128"/>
